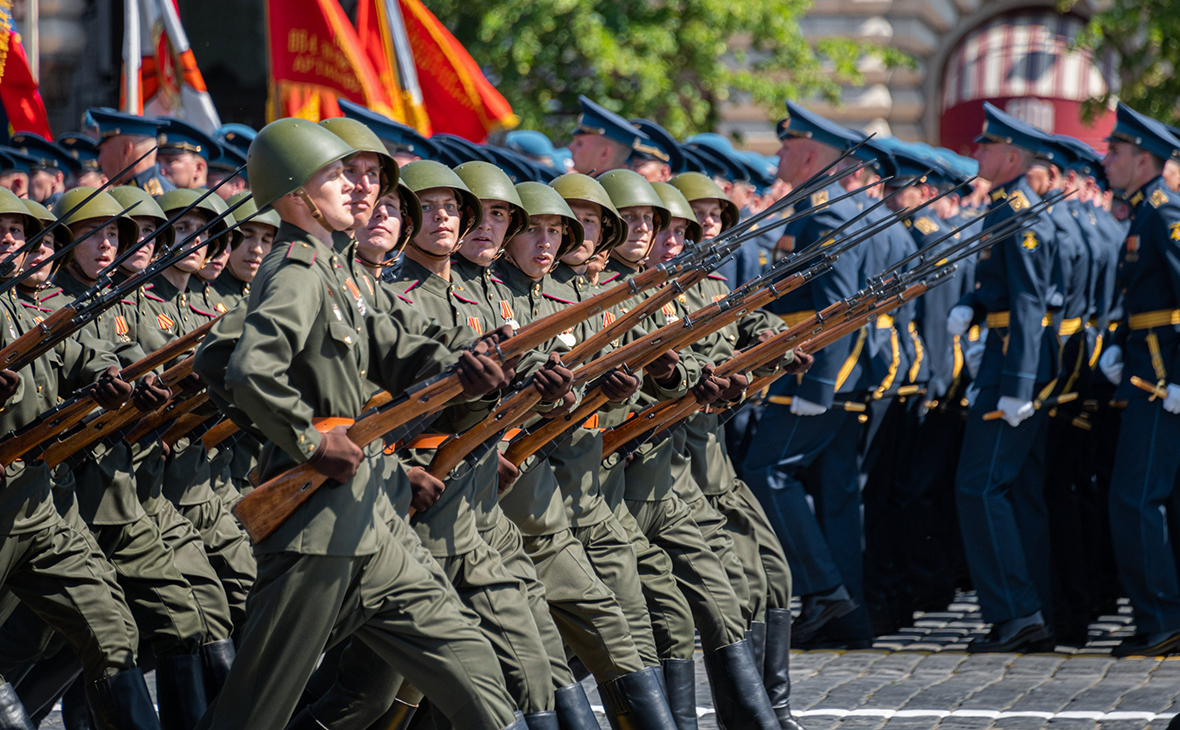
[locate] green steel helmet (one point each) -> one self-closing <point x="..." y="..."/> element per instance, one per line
<point x="61" y="234"/>
<point x="362" y="139"/>
<point x="147" y="208"/>
<point x="101" y="206"/>
<point x="173" y="201"/>
<point x="540" y="199"/>
<point x="628" y="189"/>
<point x="576" y="186"/>
<point x="248" y="212"/>
<point x="12" y="205"/>
<point x="696" y="186"/>
<point x="678" y="206"/>
<point x="286" y="153"/>
<point x="411" y="214"/>
<point x="422" y="175"/>
<point x="489" y="182"/>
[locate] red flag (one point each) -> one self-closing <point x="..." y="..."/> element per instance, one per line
<point x="458" y="97"/>
<point x="19" y="96"/>
<point x="315" y="58"/>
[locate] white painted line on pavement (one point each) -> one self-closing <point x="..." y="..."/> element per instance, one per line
<point x="985" y="714"/>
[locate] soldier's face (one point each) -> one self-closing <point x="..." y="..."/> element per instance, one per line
<point x="708" y="212"/>
<point x="183" y="169"/>
<point x="1119" y="164"/>
<point x="214" y="266"/>
<point x="90" y="179"/>
<point x="993" y="157"/>
<point x="98" y="250"/>
<point x="230" y="189"/>
<point x="669" y="242"/>
<point x="482" y="244"/>
<point x="364" y="172"/>
<point x="641" y="228"/>
<point x="792" y="159"/>
<point x="590" y="216"/>
<point x="44" y="183"/>
<point x="17" y="182"/>
<point x="1172" y="175"/>
<point x="1041" y="178"/>
<point x="384" y="230"/>
<point x="331" y="192"/>
<point x="908" y="198"/>
<point x="244" y="260"/>
<point x="13" y="229"/>
<point x="41" y="275"/>
<point x="186" y="226"/>
<point x="139" y="260"/>
<point x="589" y="153"/>
<point x="652" y="170"/>
<point x="534" y="250"/>
<point x="440" y="222"/>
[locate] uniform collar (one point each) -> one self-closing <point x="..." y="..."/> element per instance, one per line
<point x="1145" y="193"/>
<point x="229" y="282"/>
<point x="427" y="279"/>
<point x="152" y="182"/>
<point x="516" y="280"/>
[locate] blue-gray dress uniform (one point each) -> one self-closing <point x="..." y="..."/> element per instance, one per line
<point x="1146" y="465"/>
<point x="111" y="123"/>
<point x="1000" y="479"/>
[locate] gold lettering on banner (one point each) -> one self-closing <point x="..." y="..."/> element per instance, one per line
<point x="325" y="58"/>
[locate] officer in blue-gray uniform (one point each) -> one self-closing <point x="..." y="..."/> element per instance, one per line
<point x="805" y="443"/>
<point x="47" y="176"/>
<point x="185" y="153"/>
<point x="15" y="170"/>
<point x="123" y="139"/>
<point x="1147" y="462"/>
<point x="1001" y="473"/>
<point x="660" y="158"/>
<point x="85" y="151"/>
<point x="603" y="140"/>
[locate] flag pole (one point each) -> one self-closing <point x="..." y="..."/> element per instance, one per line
<point x="33" y="17"/>
<point x="406" y="72"/>
<point x="132" y="57"/>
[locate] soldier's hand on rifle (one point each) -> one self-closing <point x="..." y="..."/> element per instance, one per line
<point x="110" y="391"/>
<point x="426" y="488"/>
<point x="710" y="387"/>
<point x="802" y="362"/>
<point x="663" y="368"/>
<point x="568" y="401"/>
<point x="553" y="380"/>
<point x="337" y="457"/>
<point x="149" y="395"/>
<point x="9" y="384"/>
<point x="191" y="384"/>
<point x="738" y="383"/>
<point x="507" y="472"/>
<point x="619" y="386"/>
<point x="480" y="374"/>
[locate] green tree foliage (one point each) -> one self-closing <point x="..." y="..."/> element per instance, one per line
<point x="673" y="61"/>
<point x="1144" y="35"/>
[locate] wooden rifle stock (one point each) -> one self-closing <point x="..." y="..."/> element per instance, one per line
<point x="108" y="422"/>
<point x="71" y="412"/>
<point x="264" y="509"/>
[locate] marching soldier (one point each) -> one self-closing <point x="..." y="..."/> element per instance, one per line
<point x="306" y="345"/>
<point x="1144" y="472"/>
<point x="123" y="139"/>
<point x="1001" y="474"/>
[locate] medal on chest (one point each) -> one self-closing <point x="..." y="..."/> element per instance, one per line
<point x="508" y="315"/>
<point x="670" y="313"/>
<point x="473" y="323"/>
<point x="567" y="338"/>
<point x="356" y="295"/>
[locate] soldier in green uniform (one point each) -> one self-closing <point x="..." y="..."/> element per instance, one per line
<point x="659" y="512"/>
<point x="306" y="347"/>
<point x="45" y="561"/>
<point x="754" y="539"/>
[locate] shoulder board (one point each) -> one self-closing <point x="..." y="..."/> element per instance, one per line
<point x="926" y="225"/>
<point x="1018" y="201"/>
<point x="302" y="252"/>
<point x="463" y="299"/>
<point x="1158" y="198"/>
<point x="411" y="286"/>
<point x="1174" y="231"/>
<point x="202" y="311"/>
<point x="609" y="279"/>
<point x="153" y="297"/>
<point x="53" y="292"/>
<point x="819" y="198"/>
<point x="558" y="299"/>
<point x="717" y="277"/>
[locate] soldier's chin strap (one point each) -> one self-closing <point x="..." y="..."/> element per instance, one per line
<point x="312" y="208"/>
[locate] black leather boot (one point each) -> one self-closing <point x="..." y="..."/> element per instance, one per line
<point x="12" y="712"/>
<point x="636" y="702"/>
<point x="397" y="717"/>
<point x="75" y="710"/>
<point x="573" y="708"/>
<point x="305" y="721"/>
<point x="777" y="669"/>
<point x="541" y="720"/>
<point x="47" y="680"/>
<point x="680" y="680"/>
<point x="757" y="638"/>
<point x="122" y="702"/>
<point x="216" y="659"/>
<point x="180" y="691"/>
<point x="738" y="693"/>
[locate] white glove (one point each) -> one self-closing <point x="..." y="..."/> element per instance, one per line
<point x="959" y="320"/>
<point x="973" y="354"/>
<point x="972" y="394"/>
<point x="1015" y="410"/>
<point x="1111" y="364"/>
<point x="1172" y="402"/>
<point x="804" y="407"/>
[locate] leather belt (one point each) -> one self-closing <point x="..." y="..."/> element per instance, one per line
<point x="1070" y="327"/>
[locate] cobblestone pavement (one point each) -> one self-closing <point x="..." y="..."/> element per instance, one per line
<point x="921" y="678"/>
